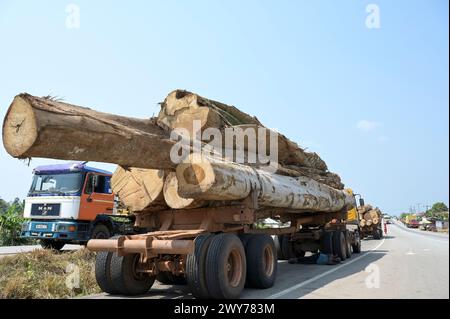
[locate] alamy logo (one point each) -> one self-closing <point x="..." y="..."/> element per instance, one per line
<point x="249" y="145"/>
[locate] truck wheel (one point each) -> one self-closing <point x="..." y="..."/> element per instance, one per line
<point x="103" y="272"/>
<point x="196" y="265"/>
<point x="348" y="243"/>
<point x="327" y="243"/>
<point x="277" y="241"/>
<point x="357" y="245"/>
<point x="167" y="278"/>
<point x="100" y="232"/>
<point x="381" y="233"/>
<point x="125" y="277"/>
<point x="261" y="261"/>
<point x="376" y="234"/>
<point x="245" y="239"/>
<point x="289" y="250"/>
<point x="225" y="267"/>
<point x="339" y="245"/>
<point x="52" y="244"/>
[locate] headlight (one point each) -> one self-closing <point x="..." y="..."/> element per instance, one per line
<point x="25" y="226"/>
<point x="66" y="227"/>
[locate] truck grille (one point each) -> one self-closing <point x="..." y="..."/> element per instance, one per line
<point x="45" y="209"/>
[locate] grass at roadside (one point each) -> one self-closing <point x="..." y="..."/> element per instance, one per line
<point x="47" y="274"/>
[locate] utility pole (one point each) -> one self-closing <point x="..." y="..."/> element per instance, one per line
<point x="418" y="207"/>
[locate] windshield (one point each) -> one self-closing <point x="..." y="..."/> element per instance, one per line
<point x="57" y="183"/>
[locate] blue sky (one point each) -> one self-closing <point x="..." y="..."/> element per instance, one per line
<point x="372" y="102"/>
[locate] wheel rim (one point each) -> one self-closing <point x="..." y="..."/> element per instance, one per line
<point x="234" y="268"/>
<point x="268" y="260"/>
<point x="134" y="273"/>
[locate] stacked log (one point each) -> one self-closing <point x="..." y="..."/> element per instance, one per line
<point x="139" y="189"/>
<point x="215" y="179"/>
<point x="369" y="215"/>
<point x="147" y="179"/>
<point x="181" y="108"/>
<point x="41" y="127"/>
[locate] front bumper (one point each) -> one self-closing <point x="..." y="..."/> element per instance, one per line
<point x="57" y="230"/>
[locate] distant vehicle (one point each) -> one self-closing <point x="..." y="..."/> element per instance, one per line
<point x="413" y="223"/>
<point x="71" y="203"/>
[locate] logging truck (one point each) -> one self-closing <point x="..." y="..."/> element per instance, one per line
<point x="218" y="250"/>
<point x="199" y="214"/>
<point x="371" y="222"/>
<point x="70" y="204"/>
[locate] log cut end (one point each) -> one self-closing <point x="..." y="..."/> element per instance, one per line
<point x="173" y="198"/>
<point x="138" y="188"/>
<point x="19" y="127"/>
<point x="195" y="175"/>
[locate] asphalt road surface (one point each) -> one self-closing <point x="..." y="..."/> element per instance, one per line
<point x="12" y="250"/>
<point x="405" y="264"/>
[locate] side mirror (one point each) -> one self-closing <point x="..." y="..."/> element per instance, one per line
<point x="361" y="202"/>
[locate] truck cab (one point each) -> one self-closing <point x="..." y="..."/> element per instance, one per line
<point x="68" y="203"/>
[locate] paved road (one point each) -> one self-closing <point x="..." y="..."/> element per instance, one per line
<point x="12" y="250"/>
<point x="404" y="264"/>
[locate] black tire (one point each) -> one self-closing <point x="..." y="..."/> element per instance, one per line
<point x="225" y="267"/>
<point x="103" y="272"/>
<point x="196" y="267"/>
<point x="327" y="243"/>
<point x="167" y="278"/>
<point x="245" y="238"/>
<point x="261" y="261"/>
<point x="125" y="278"/>
<point x="381" y="233"/>
<point x="100" y="231"/>
<point x="289" y="250"/>
<point x="356" y="246"/>
<point x="52" y="244"/>
<point x="348" y="244"/>
<point x="339" y="245"/>
<point x="277" y="242"/>
<point x="376" y="234"/>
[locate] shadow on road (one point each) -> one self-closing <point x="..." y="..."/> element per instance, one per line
<point x="288" y="276"/>
<point x="309" y="278"/>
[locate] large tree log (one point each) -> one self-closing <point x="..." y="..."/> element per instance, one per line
<point x="181" y="108"/>
<point x="139" y="189"/>
<point x="173" y="199"/>
<point x="40" y="127"/>
<point x="213" y="179"/>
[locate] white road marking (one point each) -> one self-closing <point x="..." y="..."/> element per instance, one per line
<point x="410" y="253"/>
<point x="286" y="291"/>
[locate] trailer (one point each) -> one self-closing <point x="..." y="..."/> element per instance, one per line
<point x="217" y="250"/>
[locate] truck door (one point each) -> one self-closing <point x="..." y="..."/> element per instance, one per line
<point x="97" y="197"/>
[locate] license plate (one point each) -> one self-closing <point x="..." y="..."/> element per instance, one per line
<point x="41" y="226"/>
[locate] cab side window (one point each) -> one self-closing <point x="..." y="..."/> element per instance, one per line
<point x="98" y="184"/>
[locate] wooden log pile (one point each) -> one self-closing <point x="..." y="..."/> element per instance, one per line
<point x="148" y="179"/>
<point x="369" y="215"/>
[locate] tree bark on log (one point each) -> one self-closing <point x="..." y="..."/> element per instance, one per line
<point x="213" y="179"/>
<point x="139" y="189"/>
<point x="172" y="197"/>
<point x="40" y="127"/>
<point x="181" y="108"/>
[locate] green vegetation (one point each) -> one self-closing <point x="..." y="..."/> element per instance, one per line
<point x="11" y="223"/>
<point x="439" y="211"/>
<point x="47" y="274"/>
